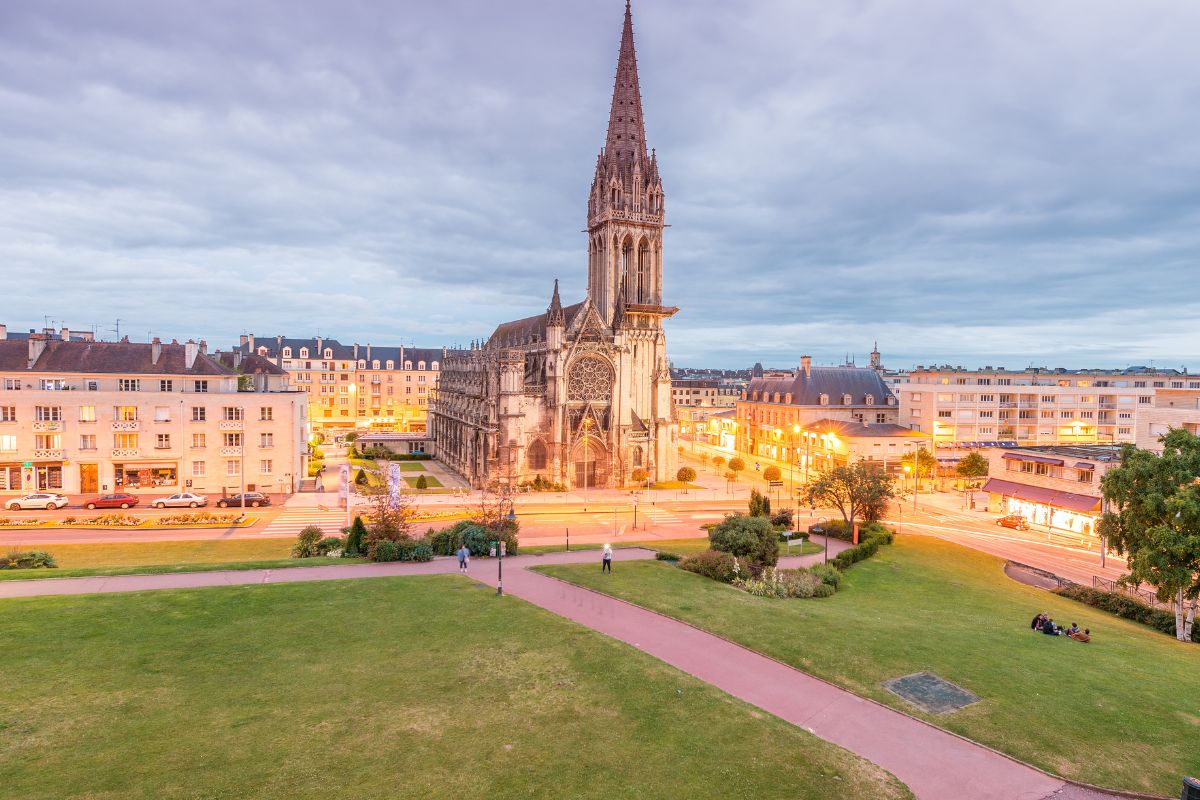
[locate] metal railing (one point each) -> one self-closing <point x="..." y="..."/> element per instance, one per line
<point x="1146" y="596"/>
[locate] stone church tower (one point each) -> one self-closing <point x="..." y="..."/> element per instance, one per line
<point x="581" y="394"/>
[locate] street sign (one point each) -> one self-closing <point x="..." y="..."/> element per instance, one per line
<point x="27" y="464"/>
<point x="775" y="484"/>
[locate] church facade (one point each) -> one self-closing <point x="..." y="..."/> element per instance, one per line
<point x="580" y="394"/>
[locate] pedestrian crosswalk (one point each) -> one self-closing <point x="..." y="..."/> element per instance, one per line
<point x="292" y="520"/>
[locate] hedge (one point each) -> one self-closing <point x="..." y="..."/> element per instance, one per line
<point x="711" y="564"/>
<point x="1124" y="606"/>
<point x="27" y="559"/>
<point x="871" y="536"/>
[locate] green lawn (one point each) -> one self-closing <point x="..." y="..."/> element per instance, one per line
<point x="1122" y="712"/>
<point x="430" y="481"/>
<point x="411" y="466"/>
<point x="678" y="546"/>
<point x="426" y="687"/>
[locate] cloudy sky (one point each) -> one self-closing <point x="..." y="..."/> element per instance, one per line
<point x="976" y="183"/>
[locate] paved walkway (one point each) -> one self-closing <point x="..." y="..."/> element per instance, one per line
<point x="936" y="765"/>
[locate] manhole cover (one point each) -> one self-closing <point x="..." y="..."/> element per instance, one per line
<point x="930" y="693"/>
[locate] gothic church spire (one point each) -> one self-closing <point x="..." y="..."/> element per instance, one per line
<point x="626" y="141"/>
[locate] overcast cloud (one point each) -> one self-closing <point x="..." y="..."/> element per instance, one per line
<point x="980" y="183"/>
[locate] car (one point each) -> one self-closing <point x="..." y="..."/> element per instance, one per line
<point x="118" y="500"/>
<point x="181" y="500"/>
<point x="253" y="500"/>
<point x="46" y="500"/>
<point x="1015" y="521"/>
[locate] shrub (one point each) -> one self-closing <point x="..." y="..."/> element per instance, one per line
<point x="711" y="564"/>
<point x="314" y="468"/>
<point x="477" y="538"/>
<point x="639" y="475"/>
<point x="28" y="559"/>
<point x="1126" y="607"/>
<point x="750" y="538"/>
<point x="781" y="583"/>
<point x="871" y="537"/>
<point x="685" y="475"/>
<point x="307" y="542"/>
<point x="354" y="538"/>
<point x="328" y="545"/>
<point x="783" y="519"/>
<point x="540" y="483"/>
<point x="824" y="590"/>
<point x="386" y="550"/>
<point x="422" y="482"/>
<point x="828" y="573"/>
<point x="422" y="552"/>
<point x="360" y="477"/>
<point x="663" y="555"/>
<point x="760" y="504"/>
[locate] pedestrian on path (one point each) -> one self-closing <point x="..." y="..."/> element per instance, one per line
<point x="606" y="564"/>
<point x="464" y="556"/>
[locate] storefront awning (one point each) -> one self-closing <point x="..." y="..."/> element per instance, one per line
<point x="1084" y="465"/>
<point x="1058" y="462"/>
<point x="1040" y="494"/>
<point x="1076" y="502"/>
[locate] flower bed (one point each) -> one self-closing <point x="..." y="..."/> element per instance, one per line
<point x="199" y="518"/>
<point x="15" y="522"/>
<point x="106" y="520"/>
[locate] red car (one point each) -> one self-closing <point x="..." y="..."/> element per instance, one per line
<point x="1015" y="521"/>
<point x="118" y="500"/>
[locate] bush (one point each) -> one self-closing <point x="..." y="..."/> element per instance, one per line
<point x="477" y="538"/>
<point x="314" y="468"/>
<point x="781" y="583"/>
<point x="387" y="550"/>
<point x="824" y="590"/>
<point x="783" y="519"/>
<point x="422" y="482"/>
<point x="330" y="545"/>
<point x="663" y="555"/>
<point x="355" y="536"/>
<point x="422" y="552"/>
<point x="711" y="564"/>
<point x="307" y="543"/>
<point x="749" y="538"/>
<point x="828" y="573"/>
<point x="639" y="475"/>
<point x="1126" y="607"/>
<point x="760" y="504"/>
<point x="541" y="483"/>
<point x="28" y="559"/>
<point x="871" y="537"/>
<point x="360" y="477"/>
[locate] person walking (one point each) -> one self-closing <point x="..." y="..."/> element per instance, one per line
<point x="606" y="564"/>
<point x="464" y="557"/>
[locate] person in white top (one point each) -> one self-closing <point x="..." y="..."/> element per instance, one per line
<point x="606" y="564"/>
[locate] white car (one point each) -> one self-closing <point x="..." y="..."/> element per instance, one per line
<point x="181" y="500"/>
<point x="46" y="500"/>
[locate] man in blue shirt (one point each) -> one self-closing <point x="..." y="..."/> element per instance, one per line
<point x="464" y="555"/>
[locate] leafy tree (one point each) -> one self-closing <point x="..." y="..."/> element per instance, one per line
<point x="750" y="538"/>
<point x="639" y="475"/>
<point x="685" y="475"/>
<point x="360" y="477"/>
<point x="926" y="460"/>
<point x="736" y="465"/>
<point x="704" y="458"/>
<point x="355" y="536"/>
<point x="422" y="482"/>
<point x="1155" y="521"/>
<point x="387" y="521"/>
<point x="858" y="491"/>
<point x="718" y="461"/>
<point x="772" y="473"/>
<point x="972" y="466"/>
<point x="350" y="438"/>
<point x="760" y="504"/>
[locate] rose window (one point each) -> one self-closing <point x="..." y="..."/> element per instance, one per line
<point x="590" y="379"/>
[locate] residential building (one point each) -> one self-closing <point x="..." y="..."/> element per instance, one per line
<point x="1052" y="486"/>
<point x="964" y="408"/>
<point x="356" y="387"/>
<point x="1174" y="407"/>
<point x="706" y="392"/>
<point x="580" y="394"/>
<point x="81" y="416"/>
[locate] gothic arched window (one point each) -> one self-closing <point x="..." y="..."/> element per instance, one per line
<point x="642" y="294"/>
<point x="537" y="455"/>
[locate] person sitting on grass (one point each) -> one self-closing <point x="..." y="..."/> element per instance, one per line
<point x="1074" y="629"/>
<point x="1049" y="628"/>
<point x="1036" y="625"/>
<point x="1085" y="636"/>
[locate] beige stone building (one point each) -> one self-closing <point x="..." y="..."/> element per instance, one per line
<point x="1052" y="486"/>
<point x="1174" y="407"/>
<point x="83" y="417"/>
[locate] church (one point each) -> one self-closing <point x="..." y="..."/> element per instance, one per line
<point x="581" y="394"/>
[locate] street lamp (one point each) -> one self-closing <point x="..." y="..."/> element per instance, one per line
<point x="587" y="427"/>
<point x="792" y="466"/>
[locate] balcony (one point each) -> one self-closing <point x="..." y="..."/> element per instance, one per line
<point x="231" y="425"/>
<point x="231" y="451"/>
<point x="47" y="455"/>
<point x="125" y="452"/>
<point x="47" y="425"/>
<point x="126" y="425"/>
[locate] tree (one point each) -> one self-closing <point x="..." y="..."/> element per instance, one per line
<point x="422" y="482"/>
<point x="704" y="457"/>
<point x="355" y="536"/>
<point x="639" y="475"/>
<point x="350" y="438"/>
<point x="685" y="475"/>
<point x="389" y="519"/>
<point x="736" y="465"/>
<point x="858" y="491"/>
<point x="772" y="473"/>
<point x="718" y="461"/>
<point x="928" y="462"/>
<point x="1156" y="521"/>
<point x="360" y="477"/>
<point x="760" y="504"/>
<point x="972" y="466"/>
<point x="750" y="538"/>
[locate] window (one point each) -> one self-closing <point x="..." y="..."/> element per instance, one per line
<point x="915" y="397"/>
<point x="987" y="398"/>
<point x="304" y="352"/>
<point x="945" y="414"/>
<point x="233" y="467"/>
<point x="8" y="413"/>
<point x="12" y="384"/>
<point x="200" y="387"/>
<point x="199" y="440"/>
<point x="162" y="413"/>
<point x="125" y="441"/>
<point x="48" y="413"/>
<point x="231" y="439"/>
<point x="91" y="386"/>
<point x="47" y="441"/>
<point x="166" y="386"/>
<point x="287" y="352"/>
<point x="1084" y="475"/>
<point x="197" y="469"/>
<point x="125" y="413"/>
<point x="87" y="413"/>
<point x="162" y="441"/>
<point x="87" y="441"/>
<point x="232" y="412"/>
<point x="1004" y="381"/>
<point x="1047" y="398"/>
<point x="266" y="414"/>
<point x="1065" y="414"/>
<point x="421" y="379"/>
<point x="266" y="440"/>
<point x="1124" y="431"/>
<point x="128" y="385"/>
<point x="265" y="466"/>
<point x="199" y="413"/>
<point x="987" y="414"/>
<point x="53" y="384"/>
<point x="945" y="398"/>
<point x="881" y="418"/>
<point x="1146" y="400"/>
<point x="8" y="444"/>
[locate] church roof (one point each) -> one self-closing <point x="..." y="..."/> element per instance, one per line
<point x="521" y="331"/>
<point x="834" y="382"/>
<point x="626" y="140"/>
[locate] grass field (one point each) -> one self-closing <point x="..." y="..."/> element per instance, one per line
<point x="426" y="687"/>
<point x="1122" y="712"/>
<point x="411" y="466"/>
<point x="678" y="546"/>
<point x="430" y="481"/>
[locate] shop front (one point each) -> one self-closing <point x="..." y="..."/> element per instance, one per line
<point x="1044" y="507"/>
<point x="31" y="476"/>
<point x="131" y="477"/>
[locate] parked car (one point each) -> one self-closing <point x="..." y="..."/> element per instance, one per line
<point x="253" y="500"/>
<point x="1014" y="521"/>
<point x="118" y="500"/>
<point x="181" y="500"/>
<point x="46" y="500"/>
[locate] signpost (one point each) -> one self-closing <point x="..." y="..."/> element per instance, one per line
<point x="344" y="489"/>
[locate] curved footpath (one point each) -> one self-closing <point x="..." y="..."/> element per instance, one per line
<point x="935" y="765"/>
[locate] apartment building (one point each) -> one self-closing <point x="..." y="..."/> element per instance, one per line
<point x="1174" y="407"/>
<point x="706" y="392"/>
<point x="992" y="406"/>
<point x="356" y="387"/>
<point x="1052" y="486"/>
<point x="82" y="416"/>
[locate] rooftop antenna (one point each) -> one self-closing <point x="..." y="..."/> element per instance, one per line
<point x="117" y="329"/>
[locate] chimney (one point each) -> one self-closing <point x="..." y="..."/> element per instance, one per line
<point x="65" y="335"/>
<point x="3" y="332"/>
<point x="320" y="348"/>
<point x="250" y="341"/>
<point x="203" y="347"/>
<point x="37" y="346"/>
<point x="243" y="340"/>
<point x="189" y="354"/>
<point x="806" y="365"/>
<point x="155" y="350"/>
<point x="368" y="351"/>
<point x="237" y="358"/>
<point x="356" y="351"/>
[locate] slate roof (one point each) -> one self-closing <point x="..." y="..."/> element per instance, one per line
<point x="858" y="430"/>
<point x="126" y="358"/>
<point x="382" y="354"/>
<point x="249" y="364"/>
<point x="806" y="389"/>
<point x="522" y="331"/>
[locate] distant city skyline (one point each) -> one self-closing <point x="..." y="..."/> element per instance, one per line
<point x="965" y="184"/>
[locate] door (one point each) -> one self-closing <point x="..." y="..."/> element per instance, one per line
<point x="585" y="473"/>
<point x="88" y="478"/>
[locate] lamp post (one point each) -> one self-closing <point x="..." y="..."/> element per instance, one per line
<point x="792" y="466"/>
<point x="587" y="426"/>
